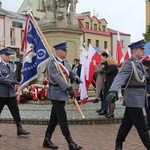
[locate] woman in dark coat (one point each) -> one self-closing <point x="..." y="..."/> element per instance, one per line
<point x="110" y="73"/>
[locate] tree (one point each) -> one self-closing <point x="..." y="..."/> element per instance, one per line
<point x="147" y="34"/>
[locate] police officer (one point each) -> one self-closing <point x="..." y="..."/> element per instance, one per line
<point x="132" y="74"/>
<point x="146" y="63"/>
<point x="7" y="93"/>
<point x="58" y="94"/>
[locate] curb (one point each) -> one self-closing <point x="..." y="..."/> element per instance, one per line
<point x="70" y="122"/>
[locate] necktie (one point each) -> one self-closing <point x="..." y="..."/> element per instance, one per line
<point x="63" y="62"/>
<point x="8" y="67"/>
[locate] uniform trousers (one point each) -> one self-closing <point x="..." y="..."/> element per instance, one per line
<point x="133" y="116"/>
<point x="13" y="107"/>
<point x="58" y="115"/>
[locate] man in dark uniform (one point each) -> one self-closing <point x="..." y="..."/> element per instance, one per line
<point x="58" y="94"/>
<point x="7" y="93"/>
<point x="133" y="75"/>
<point x="146" y="63"/>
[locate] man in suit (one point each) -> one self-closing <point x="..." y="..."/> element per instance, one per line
<point x="132" y="74"/>
<point x="58" y="94"/>
<point x="7" y="93"/>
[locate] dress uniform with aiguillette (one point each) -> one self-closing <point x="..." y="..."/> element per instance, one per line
<point x="58" y="93"/>
<point x="7" y="93"/>
<point x="133" y="75"/>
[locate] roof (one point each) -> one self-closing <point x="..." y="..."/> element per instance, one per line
<point x="12" y="14"/>
<point x="109" y="31"/>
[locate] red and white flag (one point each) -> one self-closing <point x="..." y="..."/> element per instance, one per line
<point x="127" y="55"/>
<point x="83" y="85"/>
<point x="92" y="55"/>
<point x="119" y="54"/>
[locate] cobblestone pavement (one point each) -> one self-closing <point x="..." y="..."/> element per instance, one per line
<point x="91" y="137"/>
<point x="42" y="111"/>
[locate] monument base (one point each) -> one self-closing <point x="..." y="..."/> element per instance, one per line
<point x="56" y="33"/>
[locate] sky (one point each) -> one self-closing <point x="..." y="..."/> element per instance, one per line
<point x="127" y="16"/>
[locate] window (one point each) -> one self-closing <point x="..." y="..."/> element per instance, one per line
<point x="17" y="24"/>
<point x="95" y="26"/>
<point x="88" y="42"/>
<point x="105" y="44"/>
<point x="97" y="43"/>
<point x="87" y="25"/>
<point x="103" y="28"/>
<point x="12" y="36"/>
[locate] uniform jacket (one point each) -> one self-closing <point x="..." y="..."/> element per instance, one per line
<point x="6" y="78"/>
<point x="133" y="97"/>
<point x="58" y="86"/>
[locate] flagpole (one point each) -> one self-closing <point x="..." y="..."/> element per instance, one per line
<point x="60" y="70"/>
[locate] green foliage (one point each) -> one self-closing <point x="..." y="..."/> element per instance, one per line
<point x="147" y="34"/>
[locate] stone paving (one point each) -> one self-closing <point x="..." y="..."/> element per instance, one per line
<point x="91" y="137"/>
<point x="41" y="111"/>
<point x="98" y="135"/>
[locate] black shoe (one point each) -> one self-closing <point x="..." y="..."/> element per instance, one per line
<point x="102" y="113"/>
<point x="110" y="116"/>
<point x="21" y="131"/>
<point x="98" y="111"/>
<point x="0" y="135"/>
<point x="74" y="146"/>
<point x="49" y="144"/>
<point x="118" y="148"/>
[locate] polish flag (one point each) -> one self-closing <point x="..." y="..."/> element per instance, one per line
<point x="83" y="85"/>
<point x="127" y="55"/>
<point x="119" y="54"/>
<point x="92" y="55"/>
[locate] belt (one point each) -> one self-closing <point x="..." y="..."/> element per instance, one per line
<point x="136" y="86"/>
<point x="50" y="84"/>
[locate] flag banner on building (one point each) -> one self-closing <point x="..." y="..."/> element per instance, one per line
<point x="92" y="55"/>
<point x="35" y="53"/>
<point x="119" y="54"/>
<point x="83" y="85"/>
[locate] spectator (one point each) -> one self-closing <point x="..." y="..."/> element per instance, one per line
<point x="110" y="73"/>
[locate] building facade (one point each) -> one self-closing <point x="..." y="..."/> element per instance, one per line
<point x="96" y="32"/>
<point x="11" y="31"/>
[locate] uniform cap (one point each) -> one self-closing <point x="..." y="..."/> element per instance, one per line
<point x="5" y="51"/>
<point x="62" y="46"/>
<point x="138" y="44"/>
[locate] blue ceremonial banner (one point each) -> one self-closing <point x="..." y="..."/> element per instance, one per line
<point x="35" y="53"/>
